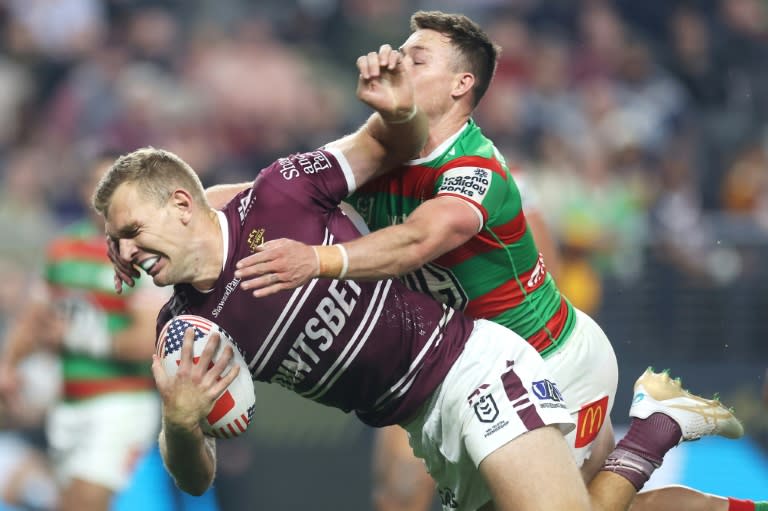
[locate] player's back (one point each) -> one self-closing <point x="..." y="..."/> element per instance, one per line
<point x="373" y="347"/>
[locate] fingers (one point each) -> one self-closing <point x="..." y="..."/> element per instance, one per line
<point x="187" y="349"/>
<point x="158" y="371"/>
<point x="372" y="64"/>
<point x="261" y="281"/>
<point x="125" y="272"/>
<point x="213" y="377"/>
<point x="209" y="351"/>
<point x="221" y="385"/>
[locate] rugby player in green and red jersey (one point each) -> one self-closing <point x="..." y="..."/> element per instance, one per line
<point x="108" y="414"/>
<point x="451" y="224"/>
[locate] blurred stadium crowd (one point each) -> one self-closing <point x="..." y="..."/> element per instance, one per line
<point x="642" y="127"/>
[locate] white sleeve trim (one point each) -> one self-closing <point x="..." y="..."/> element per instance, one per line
<point x="474" y="208"/>
<point x="345" y="168"/>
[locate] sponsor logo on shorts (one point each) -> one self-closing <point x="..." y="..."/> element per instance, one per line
<point x="486" y="409"/>
<point x="546" y="390"/>
<point x="590" y="420"/>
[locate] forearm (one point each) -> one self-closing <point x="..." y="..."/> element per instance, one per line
<point x="189" y="457"/>
<point x="402" y="134"/>
<point x="386" y="253"/>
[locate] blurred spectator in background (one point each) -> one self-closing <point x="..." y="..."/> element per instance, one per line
<point x="108" y="413"/>
<point x="661" y="120"/>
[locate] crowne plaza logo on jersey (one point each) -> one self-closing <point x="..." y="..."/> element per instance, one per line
<point x="590" y="420"/>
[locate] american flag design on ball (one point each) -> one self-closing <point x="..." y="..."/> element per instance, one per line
<point x="234" y="408"/>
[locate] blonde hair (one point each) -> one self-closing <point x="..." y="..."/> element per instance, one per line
<point x="158" y="172"/>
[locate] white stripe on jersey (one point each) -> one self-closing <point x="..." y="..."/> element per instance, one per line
<point x="305" y="292"/>
<point x="301" y="294"/>
<point x="402" y="385"/>
<point x="357" y="341"/>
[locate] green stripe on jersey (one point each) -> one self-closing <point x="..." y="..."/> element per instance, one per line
<point x="499" y="265"/>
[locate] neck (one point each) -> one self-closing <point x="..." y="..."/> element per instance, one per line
<point x="442" y="127"/>
<point x="208" y="252"/>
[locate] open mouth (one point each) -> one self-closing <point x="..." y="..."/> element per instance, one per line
<point x="149" y="263"/>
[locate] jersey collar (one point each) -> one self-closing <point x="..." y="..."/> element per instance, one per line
<point x="442" y="147"/>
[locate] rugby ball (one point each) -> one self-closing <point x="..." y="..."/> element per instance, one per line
<point x="233" y="410"/>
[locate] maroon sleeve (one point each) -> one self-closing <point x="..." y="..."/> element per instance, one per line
<point x="318" y="178"/>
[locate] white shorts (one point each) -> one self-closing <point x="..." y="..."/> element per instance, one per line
<point x="100" y="439"/>
<point x="587" y="375"/>
<point x="498" y="389"/>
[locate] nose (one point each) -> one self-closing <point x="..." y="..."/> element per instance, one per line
<point x="127" y="250"/>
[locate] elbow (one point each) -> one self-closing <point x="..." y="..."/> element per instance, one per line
<point x="195" y="488"/>
<point x="195" y="491"/>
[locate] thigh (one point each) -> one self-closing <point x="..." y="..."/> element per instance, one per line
<point x="100" y="440"/>
<point x="601" y="447"/>
<point x="587" y="373"/>
<point x="400" y="479"/>
<point x="535" y="472"/>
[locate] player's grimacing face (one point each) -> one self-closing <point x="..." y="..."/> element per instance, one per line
<point x="148" y="235"/>
<point x="430" y="61"/>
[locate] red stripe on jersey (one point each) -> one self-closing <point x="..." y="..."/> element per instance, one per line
<point x="542" y="339"/>
<point x="491" y="164"/>
<point x="509" y="294"/>
<point x="418" y="181"/>
<point x="108" y="302"/>
<point x="88" y="250"/>
<point x="82" y="389"/>
<point x="483" y="242"/>
<point x="414" y="182"/>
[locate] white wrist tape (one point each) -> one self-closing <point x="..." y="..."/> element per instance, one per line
<point x="344" y="261"/>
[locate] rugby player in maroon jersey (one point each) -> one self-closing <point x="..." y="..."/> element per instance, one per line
<point x="479" y="405"/>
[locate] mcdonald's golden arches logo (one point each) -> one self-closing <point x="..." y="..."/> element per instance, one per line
<point x="591" y="419"/>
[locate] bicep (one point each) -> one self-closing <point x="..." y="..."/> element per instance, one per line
<point x="219" y="195"/>
<point x="445" y="223"/>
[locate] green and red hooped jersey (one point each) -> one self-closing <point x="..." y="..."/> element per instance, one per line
<point x="499" y="274"/>
<point x="77" y="268"/>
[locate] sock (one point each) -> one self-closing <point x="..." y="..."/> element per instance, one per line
<point x="746" y="505"/>
<point x="635" y="469"/>
<point x="642" y="449"/>
<point x="651" y="438"/>
<point x="740" y="505"/>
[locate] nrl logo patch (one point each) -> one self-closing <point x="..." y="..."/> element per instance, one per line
<point x="486" y="409"/>
<point x="255" y="239"/>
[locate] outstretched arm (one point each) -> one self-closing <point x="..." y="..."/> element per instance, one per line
<point x="392" y="251"/>
<point x="188" y="397"/>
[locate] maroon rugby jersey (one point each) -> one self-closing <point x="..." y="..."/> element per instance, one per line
<point x="373" y="347"/>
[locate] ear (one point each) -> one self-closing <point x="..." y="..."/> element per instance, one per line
<point x="463" y="83"/>
<point x="183" y="204"/>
